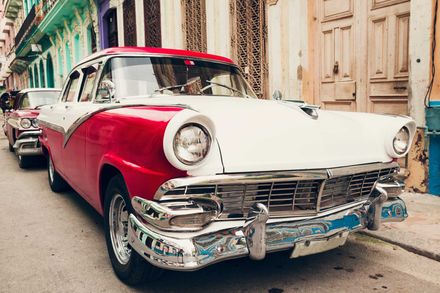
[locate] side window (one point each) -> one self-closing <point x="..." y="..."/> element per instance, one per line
<point x="16" y="102"/>
<point x="104" y="82"/>
<point x="89" y="81"/>
<point x="70" y="92"/>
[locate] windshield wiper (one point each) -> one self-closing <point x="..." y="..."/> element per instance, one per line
<point x="170" y="87"/>
<point x="225" y="86"/>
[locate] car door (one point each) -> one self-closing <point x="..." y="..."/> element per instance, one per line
<point x="75" y="141"/>
<point x="55" y="115"/>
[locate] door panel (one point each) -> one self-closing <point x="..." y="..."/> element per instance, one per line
<point x="378" y="52"/>
<point x="336" y="9"/>
<point x="338" y="60"/>
<point x="388" y="26"/>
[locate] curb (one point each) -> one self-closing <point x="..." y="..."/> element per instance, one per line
<point x="410" y="248"/>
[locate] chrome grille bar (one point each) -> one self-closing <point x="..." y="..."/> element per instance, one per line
<point x="286" y="195"/>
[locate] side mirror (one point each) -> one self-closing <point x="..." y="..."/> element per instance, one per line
<point x="106" y="91"/>
<point x="277" y="95"/>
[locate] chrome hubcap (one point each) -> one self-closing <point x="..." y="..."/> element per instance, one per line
<point x="118" y="222"/>
<point x="51" y="170"/>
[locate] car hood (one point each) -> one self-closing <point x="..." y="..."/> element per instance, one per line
<point x="266" y="135"/>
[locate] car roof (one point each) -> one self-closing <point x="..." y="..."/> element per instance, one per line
<point x="156" y="52"/>
<point x="42" y="89"/>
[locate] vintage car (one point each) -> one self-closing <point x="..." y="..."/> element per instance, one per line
<point x="21" y="125"/>
<point x="188" y="168"/>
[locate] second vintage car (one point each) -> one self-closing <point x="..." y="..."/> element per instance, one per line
<point x="21" y="125"/>
<point x="189" y="168"/>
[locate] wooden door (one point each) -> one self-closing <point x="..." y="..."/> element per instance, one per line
<point x="388" y="36"/>
<point x="338" y="58"/>
<point x="362" y="55"/>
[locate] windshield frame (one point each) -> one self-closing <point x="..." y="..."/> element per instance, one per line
<point x="107" y="62"/>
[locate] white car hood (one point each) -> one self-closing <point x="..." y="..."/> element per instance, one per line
<point x="265" y="135"/>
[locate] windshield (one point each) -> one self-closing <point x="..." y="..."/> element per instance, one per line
<point x="34" y="100"/>
<point x="141" y="76"/>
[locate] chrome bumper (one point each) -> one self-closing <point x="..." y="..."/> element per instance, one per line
<point x="27" y="144"/>
<point x="259" y="234"/>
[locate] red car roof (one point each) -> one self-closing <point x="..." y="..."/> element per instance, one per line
<point x="161" y="51"/>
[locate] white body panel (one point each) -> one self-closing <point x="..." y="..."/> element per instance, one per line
<point x="262" y="135"/>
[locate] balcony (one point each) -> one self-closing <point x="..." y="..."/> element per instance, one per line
<point x="25" y="26"/>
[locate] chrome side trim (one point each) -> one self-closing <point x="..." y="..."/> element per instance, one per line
<point x="78" y="122"/>
<point x="52" y="126"/>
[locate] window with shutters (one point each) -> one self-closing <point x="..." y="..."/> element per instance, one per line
<point x="129" y="13"/>
<point x="248" y="39"/>
<point x="194" y="24"/>
<point x="152" y="23"/>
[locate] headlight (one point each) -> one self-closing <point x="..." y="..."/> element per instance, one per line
<point x="34" y="123"/>
<point x="401" y="141"/>
<point x="25" y="123"/>
<point x="191" y="144"/>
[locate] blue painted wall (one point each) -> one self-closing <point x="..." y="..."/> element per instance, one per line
<point x="434" y="152"/>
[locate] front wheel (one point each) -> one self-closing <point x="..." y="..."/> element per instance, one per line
<point x="56" y="182"/>
<point x="23" y="161"/>
<point x="128" y="265"/>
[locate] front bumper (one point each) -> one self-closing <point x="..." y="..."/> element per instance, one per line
<point x="27" y="144"/>
<point x="258" y="234"/>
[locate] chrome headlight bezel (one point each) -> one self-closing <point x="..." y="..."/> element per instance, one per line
<point x="34" y="123"/>
<point x="401" y="141"/>
<point x="25" y="123"/>
<point x="178" y="149"/>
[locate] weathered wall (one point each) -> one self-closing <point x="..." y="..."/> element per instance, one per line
<point x="171" y="24"/>
<point x="435" y="95"/>
<point x="419" y="55"/>
<point x="287" y="47"/>
<point x="218" y="28"/>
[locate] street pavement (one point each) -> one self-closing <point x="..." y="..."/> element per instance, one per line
<point x="55" y="243"/>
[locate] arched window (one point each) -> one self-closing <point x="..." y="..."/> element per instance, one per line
<point x="42" y="75"/>
<point x="31" y="77"/>
<point x="49" y="71"/>
<point x="36" y="81"/>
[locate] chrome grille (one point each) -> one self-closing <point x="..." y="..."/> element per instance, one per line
<point x="295" y="197"/>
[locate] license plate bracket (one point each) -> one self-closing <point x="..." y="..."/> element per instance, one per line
<point x="314" y="246"/>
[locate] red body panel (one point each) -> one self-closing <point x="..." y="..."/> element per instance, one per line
<point x="129" y="139"/>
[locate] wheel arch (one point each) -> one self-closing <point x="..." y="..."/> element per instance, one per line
<point x="106" y="173"/>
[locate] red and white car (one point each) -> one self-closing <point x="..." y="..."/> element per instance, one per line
<point x="21" y="125"/>
<point x="188" y="168"/>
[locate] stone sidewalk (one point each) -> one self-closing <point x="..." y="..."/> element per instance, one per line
<point x="420" y="233"/>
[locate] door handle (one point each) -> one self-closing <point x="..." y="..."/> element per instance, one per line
<point x="336" y="67"/>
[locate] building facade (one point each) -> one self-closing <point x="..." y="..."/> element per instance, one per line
<point x="369" y="56"/>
